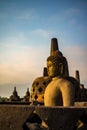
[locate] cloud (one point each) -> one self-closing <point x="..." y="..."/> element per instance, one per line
<point x="73" y="11"/>
<point x="66" y="16"/>
<point x="3" y="15"/>
<point x="77" y="59"/>
<point x="43" y="33"/>
<point x="21" y="62"/>
<point x="27" y="14"/>
<point x="23" y="59"/>
<point x="14" y="13"/>
<point x="12" y="40"/>
<point x="20" y="70"/>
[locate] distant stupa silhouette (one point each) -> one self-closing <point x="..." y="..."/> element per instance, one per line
<point x="77" y="76"/>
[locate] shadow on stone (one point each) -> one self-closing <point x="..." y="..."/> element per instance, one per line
<point x="34" y="122"/>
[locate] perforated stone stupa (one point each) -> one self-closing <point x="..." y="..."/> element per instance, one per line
<point x="38" y="88"/>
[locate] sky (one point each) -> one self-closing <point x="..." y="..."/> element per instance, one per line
<point x="26" y="30"/>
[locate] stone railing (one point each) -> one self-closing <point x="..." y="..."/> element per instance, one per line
<point x="18" y="117"/>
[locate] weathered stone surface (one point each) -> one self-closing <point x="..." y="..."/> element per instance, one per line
<point x="13" y="117"/>
<point x="80" y="104"/>
<point x="60" y="118"/>
<point x="60" y="92"/>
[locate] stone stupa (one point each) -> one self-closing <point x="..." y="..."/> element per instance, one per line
<point x="14" y="96"/>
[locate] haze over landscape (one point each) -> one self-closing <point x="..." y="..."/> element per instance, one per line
<point x="26" y="29"/>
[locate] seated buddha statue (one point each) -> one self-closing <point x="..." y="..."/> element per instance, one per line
<point x="60" y="91"/>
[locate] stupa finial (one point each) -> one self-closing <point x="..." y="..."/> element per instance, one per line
<point x="54" y="46"/>
<point x="77" y="76"/>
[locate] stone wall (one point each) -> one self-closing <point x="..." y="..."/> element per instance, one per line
<point x="13" y="117"/>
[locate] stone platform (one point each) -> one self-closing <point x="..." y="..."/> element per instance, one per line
<point x="13" y="117"/>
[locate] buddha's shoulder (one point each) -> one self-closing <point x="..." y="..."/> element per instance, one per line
<point x="62" y="80"/>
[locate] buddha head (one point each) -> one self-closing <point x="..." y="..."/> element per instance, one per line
<point x="57" y="65"/>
